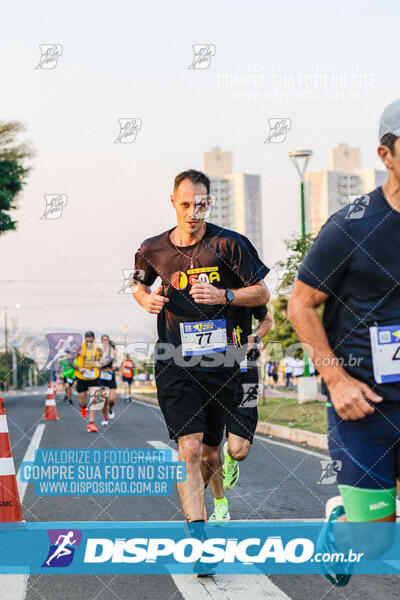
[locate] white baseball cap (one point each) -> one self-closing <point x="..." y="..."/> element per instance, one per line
<point x="390" y="120"/>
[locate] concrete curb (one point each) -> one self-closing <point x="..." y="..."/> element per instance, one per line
<point x="299" y="436"/>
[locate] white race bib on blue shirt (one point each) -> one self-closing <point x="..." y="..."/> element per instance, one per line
<point x="385" y="346"/>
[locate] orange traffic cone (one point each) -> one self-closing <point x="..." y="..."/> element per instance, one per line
<point x="50" y="410"/>
<point x="10" y="504"/>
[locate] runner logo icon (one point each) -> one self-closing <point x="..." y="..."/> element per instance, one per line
<point x="251" y="393"/>
<point x="203" y="54"/>
<point x="278" y="129"/>
<point x="63" y="543"/>
<point x="329" y="471"/>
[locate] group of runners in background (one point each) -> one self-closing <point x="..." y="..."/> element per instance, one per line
<point x="92" y="370"/>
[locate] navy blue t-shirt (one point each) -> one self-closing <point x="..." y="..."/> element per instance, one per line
<point x="356" y="260"/>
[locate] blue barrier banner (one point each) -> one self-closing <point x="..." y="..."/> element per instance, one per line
<point x="247" y="547"/>
<point x="116" y="472"/>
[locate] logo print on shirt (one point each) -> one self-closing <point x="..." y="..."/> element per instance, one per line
<point x="179" y="280"/>
<point x="205" y="274"/>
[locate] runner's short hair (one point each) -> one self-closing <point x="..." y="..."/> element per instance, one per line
<point x="193" y="176"/>
<point x="389" y="140"/>
<point x="89" y="334"/>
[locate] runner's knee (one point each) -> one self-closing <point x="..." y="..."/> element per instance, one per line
<point x="190" y="449"/>
<point x="239" y="451"/>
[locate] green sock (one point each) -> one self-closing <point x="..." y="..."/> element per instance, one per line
<point x="220" y="500"/>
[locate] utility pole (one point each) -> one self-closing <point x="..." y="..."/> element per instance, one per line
<point x="6" y="346"/>
<point x="14" y="368"/>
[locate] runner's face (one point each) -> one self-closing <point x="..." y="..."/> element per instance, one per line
<point x="184" y="202"/>
<point x="391" y="161"/>
<point x="89" y="341"/>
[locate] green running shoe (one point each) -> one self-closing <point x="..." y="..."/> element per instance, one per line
<point x="326" y="543"/>
<point x="220" y="514"/>
<point x="230" y="470"/>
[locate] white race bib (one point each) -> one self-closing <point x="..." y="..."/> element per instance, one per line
<point x="106" y="375"/>
<point x="203" y="337"/>
<point x="89" y="374"/>
<point x="385" y="346"/>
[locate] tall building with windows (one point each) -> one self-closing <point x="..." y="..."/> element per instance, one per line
<point x="328" y="191"/>
<point x="237" y="197"/>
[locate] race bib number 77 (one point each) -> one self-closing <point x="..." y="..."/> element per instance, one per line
<point x="203" y="337"/>
<point x="385" y="346"/>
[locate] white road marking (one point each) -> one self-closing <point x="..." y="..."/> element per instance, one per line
<point x="14" y="586"/>
<point x="228" y="587"/>
<point x="290" y="447"/>
<point x="30" y="455"/>
<point x="163" y="446"/>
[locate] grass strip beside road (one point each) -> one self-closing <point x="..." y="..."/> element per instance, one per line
<point x="287" y="411"/>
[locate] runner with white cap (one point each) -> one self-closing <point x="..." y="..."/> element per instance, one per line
<point x="353" y="268"/>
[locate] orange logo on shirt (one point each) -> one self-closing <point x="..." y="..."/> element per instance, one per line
<point x="179" y="280"/>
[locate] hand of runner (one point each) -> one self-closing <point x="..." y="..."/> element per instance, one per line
<point x="252" y="344"/>
<point x="205" y="293"/>
<point x="350" y="398"/>
<point x="155" y="302"/>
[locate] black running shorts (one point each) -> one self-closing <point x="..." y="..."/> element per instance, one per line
<point x="194" y="401"/>
<point x="82" y="385"/>
<point x="109" y="383"/>
<point x="242" y="421"/>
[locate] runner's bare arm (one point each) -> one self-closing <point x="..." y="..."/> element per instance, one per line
<point x="348" y="395"/>
<point x="153" y="302"/>
<point x="253" y="295"/>
<point x="72" y="357"/>
<point x="263" y="327"/>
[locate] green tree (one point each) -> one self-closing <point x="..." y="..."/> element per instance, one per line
<point x="24" y="364"/>
<point x="283" y="331"/>
<point x="13" y="172"/>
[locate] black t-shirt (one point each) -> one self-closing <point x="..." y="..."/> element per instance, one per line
<point x="224" y="258"/>
<point x="355" y="259"/>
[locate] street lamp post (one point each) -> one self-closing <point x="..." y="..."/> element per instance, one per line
<point x="296" y="156"/>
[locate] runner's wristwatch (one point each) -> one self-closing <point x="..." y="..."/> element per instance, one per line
<point x="256" y="337"/>
<point x="229" y="296"/>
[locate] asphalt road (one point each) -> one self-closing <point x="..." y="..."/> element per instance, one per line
<point x="277" y="481"/>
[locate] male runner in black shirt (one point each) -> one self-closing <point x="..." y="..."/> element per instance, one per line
<point x="207" y="273"/>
